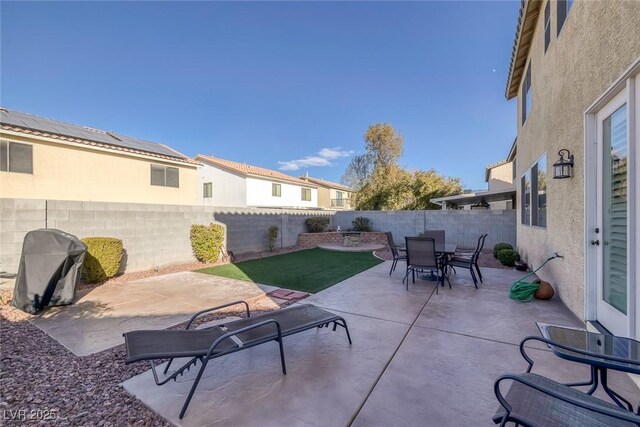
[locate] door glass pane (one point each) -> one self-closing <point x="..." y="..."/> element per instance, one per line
<point x="614" y="200"/>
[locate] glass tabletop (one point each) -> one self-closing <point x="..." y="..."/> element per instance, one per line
<point x="596" y="345"/>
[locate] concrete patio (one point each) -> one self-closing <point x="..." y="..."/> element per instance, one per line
<point x="417" y="359"/>
<point x="96" y="321"/>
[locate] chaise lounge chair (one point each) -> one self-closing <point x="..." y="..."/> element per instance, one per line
<point x="216" y="341"/>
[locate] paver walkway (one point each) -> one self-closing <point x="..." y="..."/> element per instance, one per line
<point x="418" y="359"/>
<point x="99" y="317"/>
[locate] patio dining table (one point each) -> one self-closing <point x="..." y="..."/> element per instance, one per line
<point x="445" y="249"/>
<point x="601" y="352"/>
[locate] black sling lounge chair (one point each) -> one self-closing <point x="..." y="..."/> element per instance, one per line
<point x="205" y="344"/>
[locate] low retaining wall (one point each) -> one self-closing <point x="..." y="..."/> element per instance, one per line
<point x="311" y="240"/>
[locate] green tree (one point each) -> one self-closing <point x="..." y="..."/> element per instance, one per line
<point x="380" y="183"/>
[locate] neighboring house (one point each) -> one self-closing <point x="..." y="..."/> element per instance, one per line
<point x="575" y="72"/>
<point x="234" y="184"/>
<point x="42" y="158"/>
<point x="501" y="191"/>
<point x="330" y="194"/>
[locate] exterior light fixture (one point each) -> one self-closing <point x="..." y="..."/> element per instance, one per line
<point x="563" y="168"/>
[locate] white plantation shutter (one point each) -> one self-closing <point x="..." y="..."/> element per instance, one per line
<point x="615" y="209"/>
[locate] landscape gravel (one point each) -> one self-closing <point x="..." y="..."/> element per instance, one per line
<point x="43" y="383"/>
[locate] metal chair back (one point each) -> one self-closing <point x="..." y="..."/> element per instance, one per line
<point x="421" y="252"/>
<point x="437" y="235"/>
<point x="392" y="244"/>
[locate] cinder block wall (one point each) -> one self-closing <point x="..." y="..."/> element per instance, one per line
<point x="156" y="235"/>
<point x="249" y="228"/>
<point x="461" y="227"/>
<point x="153" y="235"/>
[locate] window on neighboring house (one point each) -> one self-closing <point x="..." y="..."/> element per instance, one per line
<point x="306" y="194"/>
<point x="563" y="11"/>
<point x="16" y="157"/>
<point x="165" y="176"/>
<point x="547" y="25"/>
<point x="276" y="190"/>
<point x="207" y="190"/>
<point x="534" y="194"/>
<point x="526" y="95"/>
<point x="339" y="202"/>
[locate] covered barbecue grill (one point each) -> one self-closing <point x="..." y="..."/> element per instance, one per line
<point x="50" y="268"/>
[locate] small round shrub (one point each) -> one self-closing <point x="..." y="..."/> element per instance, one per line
<point x="102" y="259"/>
<point x="499" y="247"/>
<point x="206" y="241"/>
<point x="361" y="223"/>
<point x="317" y="224"/>
<point x="508" y="257"/>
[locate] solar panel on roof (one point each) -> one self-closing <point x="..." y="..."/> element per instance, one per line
<point x="43" y="124"/>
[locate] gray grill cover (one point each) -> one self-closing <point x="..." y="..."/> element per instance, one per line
<point x="50" y="269"/>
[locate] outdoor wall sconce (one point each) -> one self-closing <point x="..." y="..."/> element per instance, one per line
<point x="563" y="167"/>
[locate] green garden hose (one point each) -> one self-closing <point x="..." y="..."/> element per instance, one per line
<point x="523" y="291"/>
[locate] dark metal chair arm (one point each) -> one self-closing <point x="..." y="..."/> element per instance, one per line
<point x="245" y="329"/>
<point x="571" y="349"/>
<point x="621" y="415"/>
<point x="208" y="310"/>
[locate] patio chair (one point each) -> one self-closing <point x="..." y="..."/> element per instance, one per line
<point x="437" y="235"/>
<point x="421" y="256"/>
<point x="202" y="345"/>
<point x="533" y="400"/>
<point x="470" y="262"/>
<point x="395" y="251"/>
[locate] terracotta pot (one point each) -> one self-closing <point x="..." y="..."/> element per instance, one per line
<point x="545" y="291"/>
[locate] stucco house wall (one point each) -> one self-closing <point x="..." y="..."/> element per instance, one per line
<point x="68" y="171"/>
<point x="598" y="41"/>
<point x="259" y="193"/>
<point x="501" y="177"/>
<point x="228" y="188"/>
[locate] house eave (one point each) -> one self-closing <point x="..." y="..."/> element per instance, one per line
<point x="527" y="19"/>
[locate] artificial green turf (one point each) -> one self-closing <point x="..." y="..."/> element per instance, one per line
<point x="310" y="270"/>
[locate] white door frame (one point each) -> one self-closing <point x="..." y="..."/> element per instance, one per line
<point x="629" y="82"/>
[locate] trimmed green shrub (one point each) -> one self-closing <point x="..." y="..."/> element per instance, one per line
<point x="206" y="241"/>
<point x="102" y="259"/>
<point x="499" y="247"/>
<point x="317" y="224"/>
<point x="361" y="224"/>
<point x="508" y="257"/>
<point x="273" y="236"/>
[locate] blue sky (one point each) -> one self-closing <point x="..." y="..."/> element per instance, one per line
<point x="279" y="85"/>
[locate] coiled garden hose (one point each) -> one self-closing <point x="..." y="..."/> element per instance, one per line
<point x="523" y="291"/>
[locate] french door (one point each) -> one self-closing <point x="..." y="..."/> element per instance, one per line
<point x="613" y="216"/>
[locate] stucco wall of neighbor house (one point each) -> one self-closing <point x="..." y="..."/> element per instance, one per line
<point x="324" y="197"/>
<point x="259" y="194"/>
<point x="71" y="172"/>
<point x="501" y="177"/>
<point x="229" y="188"/>
<point x="598" y="41"/>
<point x="152" y="234"/>
<point x="461" y="227"/>
<point x="248" y="228"/>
